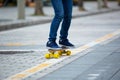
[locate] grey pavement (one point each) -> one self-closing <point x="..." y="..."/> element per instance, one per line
<point x="24" y="48"/>
<point x="98" y="64"/>
<point x="8" y="16"/>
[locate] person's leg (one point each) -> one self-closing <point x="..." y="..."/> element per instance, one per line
<point x="59" y="14"/>
<point x="67" y="6"/>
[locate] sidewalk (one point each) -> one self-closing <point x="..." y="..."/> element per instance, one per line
<point x="9" y="15"/>
<point x="101" y="63"/>
<point x="96" y="56"/>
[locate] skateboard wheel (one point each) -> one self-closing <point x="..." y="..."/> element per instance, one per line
<point x="47" y="56"/>
<point x="68" y="53"/>
<point x="56" y="55"/>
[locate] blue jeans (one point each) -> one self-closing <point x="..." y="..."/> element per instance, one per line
<point x="63" y="13"/>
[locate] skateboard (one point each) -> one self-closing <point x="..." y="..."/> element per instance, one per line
<point x="57" y="53"/>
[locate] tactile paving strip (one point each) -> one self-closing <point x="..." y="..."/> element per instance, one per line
<point x="11" y="64"/>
